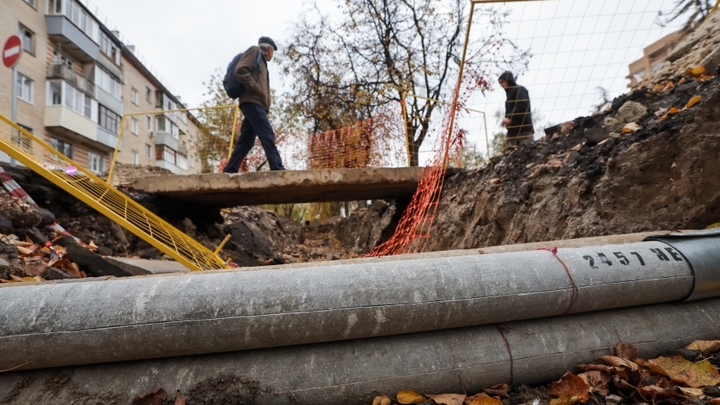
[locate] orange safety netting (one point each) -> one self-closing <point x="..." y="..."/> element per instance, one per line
<point x="373" y="142"/>
<point x="413" y="229"/>
<point x="343" y="148"/>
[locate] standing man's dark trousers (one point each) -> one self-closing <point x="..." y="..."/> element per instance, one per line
<point x="255" y="123"/>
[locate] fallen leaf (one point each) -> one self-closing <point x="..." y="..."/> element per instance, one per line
<point x="382" y="400"/>
<point x="598" y="367"/>
<point x="597" y="380"/>
<point x="671" y="111"/>
<point x="482" y="399"/>
<point x="693" y="392"/>
<point x="154" y="397"/>
<point x="34" y="266"/>
<point x="652" y="392"/>
<point x="622" y="386"/>
<point x="700" y="374"/>
<point x="69" y="268"/>
<point x="577" y="147"/>
<point x="625" y="351"/>
<point x="565" y="400"/>
<point x="406" y="397"/>
<point x="15" y="278"/>
<point x="698" y="71"/>
<point x="182" y="400"/>
<point x="693" y="100"/>
<point x="571" y="385"/>
<point x="707" y="347"/>
<point x="616" y="361"/>
<point x="630" y="128"/>
<point x="448" y="399"/>
<point x="496" y="393"/>
<point x="495" y="181"/>
<point x="25" y="250"/>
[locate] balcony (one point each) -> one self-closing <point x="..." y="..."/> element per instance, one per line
<point x="63" y="120"/>
<point x="69" y="75"/>
<point x="165" y="138"/>
<point x="74" y="41"/>
<point x="107" y="138"/>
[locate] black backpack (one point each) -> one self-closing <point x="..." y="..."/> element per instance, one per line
<point x="232" y="87"/>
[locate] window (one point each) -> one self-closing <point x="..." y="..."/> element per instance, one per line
<point x="107" y="82"/>
<point x="55" y="7"/>
<point x="24" y="88"/>
<point x="96" y="163"/>
<point x="109" y="48"/>
<point x="20" y="139"/>
<point x="148" y="122"/>
<point x="76" y="100"/>
<point x="54" y="93"/>
<point x="162" y="152"/>
<point x="148" y="150"/>
<point x="148" y="94"/>
<point x="135" y="157"/>
<point x="134" y="96"/>
<point x="28" y="39"/>
<point x="60" y="59"/>
<point x="62" y="147"/>
<point x="109" y="120"/>
<point x="134" y="125"/>
<point x="161" y="124"/>
<point x="182" y="161"/>
<point x="32" y="3"/>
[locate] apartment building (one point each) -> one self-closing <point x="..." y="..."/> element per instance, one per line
<point x="76" y="79"/>
<point x="654" y="56"/>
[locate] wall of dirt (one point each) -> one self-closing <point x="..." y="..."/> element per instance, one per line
<point x="588" y="178"/>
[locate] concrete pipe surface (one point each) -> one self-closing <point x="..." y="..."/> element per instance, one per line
<point x="353" y="372"/>
<point x="51" y="325"/>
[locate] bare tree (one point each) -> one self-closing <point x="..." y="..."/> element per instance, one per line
<point x="692" y="10"/>
<point x="377" y="52"/>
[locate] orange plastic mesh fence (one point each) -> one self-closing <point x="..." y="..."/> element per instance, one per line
<point x="414" y="227"/>
<point x="374" y="142"/>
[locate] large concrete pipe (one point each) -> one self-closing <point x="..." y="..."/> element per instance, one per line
<point x="51" y="325"/>
<point x="352" y="372"/>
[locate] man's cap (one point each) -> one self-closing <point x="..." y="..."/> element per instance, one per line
<point x="267" y="40"/>
<point x="507" y="77"/>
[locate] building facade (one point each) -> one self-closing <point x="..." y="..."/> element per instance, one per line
<point x="654" y="57"/>
<point x="76" y="80"/>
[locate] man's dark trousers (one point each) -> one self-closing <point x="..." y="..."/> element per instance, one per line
<point x="255" y="123"/>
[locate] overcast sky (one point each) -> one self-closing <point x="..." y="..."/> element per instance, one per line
<point x="186" y="40"/>
<point x="577" y="45"/>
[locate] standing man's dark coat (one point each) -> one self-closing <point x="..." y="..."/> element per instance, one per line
<point x="518" y="115"/>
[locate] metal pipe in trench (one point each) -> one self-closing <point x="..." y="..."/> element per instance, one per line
<point x="353" y="372"/>
<point x="73" y="323"/>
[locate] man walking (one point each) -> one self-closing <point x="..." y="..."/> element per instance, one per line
<point x="518" y="117"/>
<point x="255" y="105"/>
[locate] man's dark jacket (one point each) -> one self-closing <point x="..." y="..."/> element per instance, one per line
<point x="517" y="107"/>
<point x="256" y="82"/>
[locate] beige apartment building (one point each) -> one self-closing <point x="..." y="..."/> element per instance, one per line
<point x="75" y="81"/>
<point x="654" y="56"/>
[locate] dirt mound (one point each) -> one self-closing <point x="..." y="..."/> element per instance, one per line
<point x="594" y="176"/>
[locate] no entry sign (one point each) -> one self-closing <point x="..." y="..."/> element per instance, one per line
<point x="11" y="51"/>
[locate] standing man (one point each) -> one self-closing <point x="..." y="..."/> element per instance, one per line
<point x="518" y="117"/>
<point x="255" y="105"/>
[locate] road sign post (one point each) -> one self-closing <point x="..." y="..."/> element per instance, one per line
<point x="11" y="52"/>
